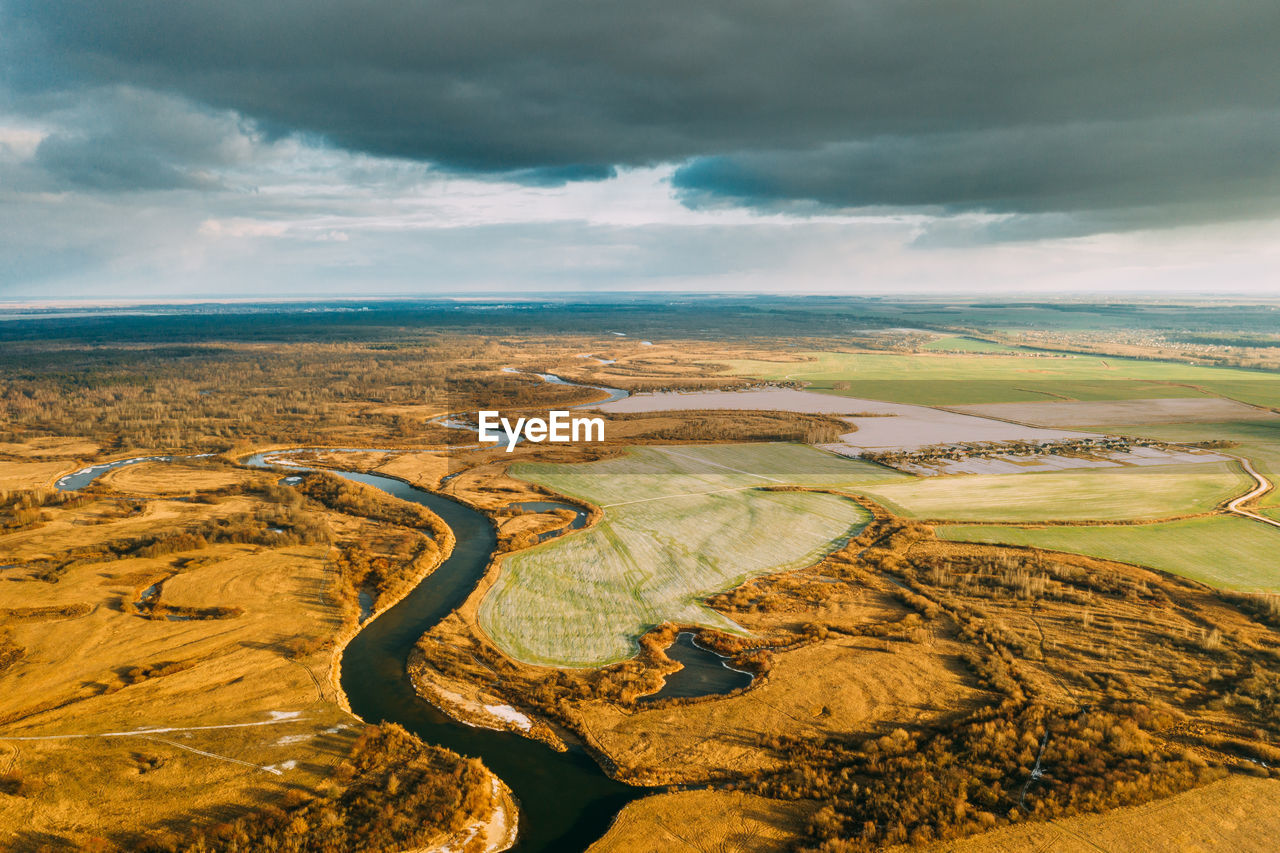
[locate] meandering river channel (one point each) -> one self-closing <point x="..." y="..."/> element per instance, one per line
<point x="566" y="800"/>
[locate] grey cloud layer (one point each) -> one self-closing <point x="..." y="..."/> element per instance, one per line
<point x="1003" y="105"/>
<point x="1189" y="165"/>
<point x="122" y="139"/>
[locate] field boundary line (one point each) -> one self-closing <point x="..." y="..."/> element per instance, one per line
<point x="144" y="732"/>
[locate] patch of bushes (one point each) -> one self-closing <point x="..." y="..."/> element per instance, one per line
<point x="922" y="787"/>
<point x="139" y="674"/>
<point x="22" y="509"/>
<point x="356" y="499"/>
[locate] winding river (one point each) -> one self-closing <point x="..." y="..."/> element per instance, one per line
<point x="566" y="800"/>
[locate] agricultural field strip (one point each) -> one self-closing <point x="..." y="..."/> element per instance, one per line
<point x="1223" y="551"/>
<point x="652" y="474"/>
<point x="1259" y="442"/>
<point x="953" y="367"/>
<point x="1087" y="494"/>
<point x="584" y="599"/>
<point x="957" y="379"/>
<point x="1262" y="485"/>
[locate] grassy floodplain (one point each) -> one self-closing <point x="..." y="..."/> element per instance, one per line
<point x="1222" y="551"/>
<point x="952" y="379"/>
<point x="680" y="523"/>
<point x="1103" y="494"/>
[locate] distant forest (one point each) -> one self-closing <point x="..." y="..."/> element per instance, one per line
<point x="682" y="316"/>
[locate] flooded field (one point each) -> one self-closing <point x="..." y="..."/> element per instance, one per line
<point x="879" y="425"/>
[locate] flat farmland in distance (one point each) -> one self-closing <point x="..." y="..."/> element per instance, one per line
<point x="1104" y="494"/>
<point x="677" y="527"/>
<point x="1102" y="414"/>
<point x="1227" y="552"/>
<point x="956" y="379"/>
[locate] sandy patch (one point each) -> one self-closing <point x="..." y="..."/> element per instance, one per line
<point x="1121" y="412"/>
<point x="511" y="715"/>
<point x="492" y="835"/>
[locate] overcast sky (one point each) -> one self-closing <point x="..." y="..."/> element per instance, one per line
<point x="161" y="149"/>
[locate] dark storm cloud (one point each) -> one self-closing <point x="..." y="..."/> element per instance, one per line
<point x="117" y="138"/>
<point x="1186" y="164"/>
<point x="1004" y="104"/>
<point x="125" y="139"/>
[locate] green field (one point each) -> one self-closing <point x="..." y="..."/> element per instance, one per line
<point x="1259" y="441"/>
<point x="1103" y="494"/>
<point x="1222" y="551"/>
<point x="677" y="528"/>
<point x="943" y="380"/>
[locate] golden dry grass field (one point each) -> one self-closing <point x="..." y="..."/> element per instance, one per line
<point x="144" y="696"/>
<point x="842" y="688"/>
<point x="1236" y="814"/>
<point x="709" y="820"/>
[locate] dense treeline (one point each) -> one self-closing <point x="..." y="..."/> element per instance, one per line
<point x="921" y="787"/>
<point x="218" y="396"/>
<point x="982" y="450"/>
<point x="715" y="425"/>
<point x="351" y="498"/>
<point x="391" y="793"/>
<point x="401" y="555"/>
<point x="23" y="508"/>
